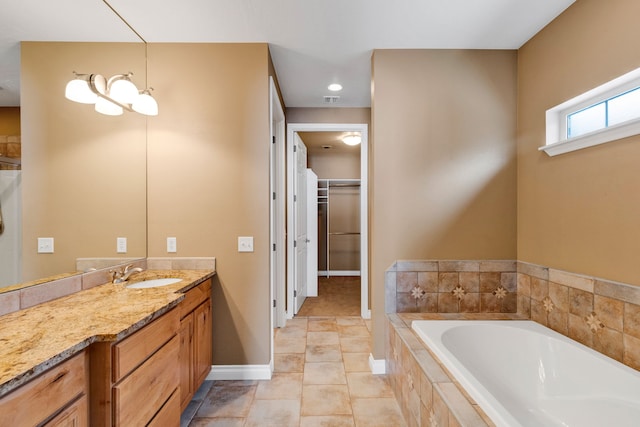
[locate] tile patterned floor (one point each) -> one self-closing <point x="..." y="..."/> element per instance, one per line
<point x="321" y="379"/>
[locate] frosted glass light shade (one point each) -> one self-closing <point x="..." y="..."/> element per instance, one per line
<point x="104" y="106"/>
<point x="352" y="139"/>
<point x="145" y="104"/>
<point x="78" y="90"/>
<point x="123" y="90"/>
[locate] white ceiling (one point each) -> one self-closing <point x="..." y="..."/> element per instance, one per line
<point x="313" y="42"/>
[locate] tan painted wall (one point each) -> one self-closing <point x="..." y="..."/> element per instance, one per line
<point x="578" y="211"/>
<point x="9" y="120"/>
<point x="83" y="179"/>
<point x="329" y="165"/>
<point x="329" y="115"/>
<point x="208" y="180"/>
<point x="443" y="161"/>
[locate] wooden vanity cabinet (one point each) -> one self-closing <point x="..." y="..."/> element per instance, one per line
<point x="195" y="340"/>
<point x="135" y="381"/>
<point x="57" y="397"/>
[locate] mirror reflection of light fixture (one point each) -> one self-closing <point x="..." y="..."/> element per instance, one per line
<point x="111" y="97"/>
<point x="352" y="139"/>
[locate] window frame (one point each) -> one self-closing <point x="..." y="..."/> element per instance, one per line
<point x="556" y="118"/>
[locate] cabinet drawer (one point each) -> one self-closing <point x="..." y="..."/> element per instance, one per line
<point x="169" y="415"/>
<point x="75" y="415"/>
<point x="138" y="397"/>
<point x="135" y="349"/>
<point x="194" y="297"/>
<point x="45" y="395"/>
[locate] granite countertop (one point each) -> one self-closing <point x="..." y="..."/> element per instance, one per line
<point x="37" y="338"/>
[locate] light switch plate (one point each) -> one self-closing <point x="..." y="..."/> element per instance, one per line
<point x="172" y="244"/>
<point x="121" y="245"/>
<point x="45" y="245"/>
<point x="245" y="244"/>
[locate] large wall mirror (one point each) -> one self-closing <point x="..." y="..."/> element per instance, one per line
<point x="83" y="177"/>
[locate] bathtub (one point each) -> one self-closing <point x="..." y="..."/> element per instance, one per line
<point x="524" y="374"/>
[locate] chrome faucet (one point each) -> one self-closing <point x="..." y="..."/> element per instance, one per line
<point x="119" y="276"/>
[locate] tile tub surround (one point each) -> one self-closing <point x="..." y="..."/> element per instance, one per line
<point x="429" y="286"/>
<point x="427" y="393"/>
<point x="39" y="337"/>
<point x="600" y="314"/>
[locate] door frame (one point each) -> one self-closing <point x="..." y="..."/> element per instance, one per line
<point x="277" y="210"/>
<point x="362" y="128"/>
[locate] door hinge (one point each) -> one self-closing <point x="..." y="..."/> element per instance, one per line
<point x="295" y="244"/>
<point x="295" y="293"/>
<point x="295" y="148"/>
<point x="274" y="195"/>
<point x="274" y="303"/>
<point x="274" y="246"/>
<point x="273" y="139"/>
<point x="295" y="198"/>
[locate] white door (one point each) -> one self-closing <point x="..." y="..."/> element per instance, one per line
<point x="312" y="234"/>
<point x="300" y="226"/>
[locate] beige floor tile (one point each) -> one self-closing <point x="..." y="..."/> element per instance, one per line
<point x="355" y="344"/>
<point x="323" y="353"/>
<point x="230" y="401"/>
<point x="288" y="362"/>
<point x="323" y="338"/>
<point x="356" y="362"/>
<point x="322" y="324"/>
<point x="362" y="384"/>
<point x="287" y="344"/>
<point x="350" y="321"/>
<point x="325" y="400"/>
<point x="297" y="323"/>
<point x="353" y="331"/>
<point x="217" y="422"/>
<point x="280" y="386"/>
<point x="327" y="421"/>
<point x="382" y="412"/>
<point x="324" y="373"/>
<point x="274" y="413"/>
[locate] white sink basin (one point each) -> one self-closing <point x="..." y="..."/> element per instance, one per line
<point x="153" y="283"/>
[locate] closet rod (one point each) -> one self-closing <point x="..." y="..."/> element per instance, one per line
<point x="344" y="233"/>
<point x="343" y="185"/>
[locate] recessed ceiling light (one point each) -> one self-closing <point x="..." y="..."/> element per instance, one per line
<point x="335" y="87"/>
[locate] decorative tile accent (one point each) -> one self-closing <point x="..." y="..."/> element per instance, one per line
<point x="459" y="292"/>
<point x="500" y="292"/>
<point x="548" y="304"/>
<point x="417" y="292"/>
<point x="594" y="323"/>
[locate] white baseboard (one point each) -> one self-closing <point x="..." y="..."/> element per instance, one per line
<point x="378" y="367"/>
<point x="240" y="372"/>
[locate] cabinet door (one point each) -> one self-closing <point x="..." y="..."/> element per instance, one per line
<point x="203" y="342"/>
<point x="75" y="415"/>
<point x="185" y="359"/>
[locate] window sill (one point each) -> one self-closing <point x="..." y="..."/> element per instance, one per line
<point x="603" y="136"/>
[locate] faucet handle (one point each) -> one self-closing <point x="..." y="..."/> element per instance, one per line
<point x="115" y="275"/>
<point x="126" y="268"/>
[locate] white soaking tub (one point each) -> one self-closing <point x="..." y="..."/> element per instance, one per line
<point x="524" y="374"/>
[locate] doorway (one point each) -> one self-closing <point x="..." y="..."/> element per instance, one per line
<point x="359" y="234"/>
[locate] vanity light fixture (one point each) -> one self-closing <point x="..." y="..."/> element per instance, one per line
<point x="113" y="96"/>
<point x="352" y="139"/>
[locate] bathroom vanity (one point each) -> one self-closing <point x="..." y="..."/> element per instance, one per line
<point x="108" y="356"/>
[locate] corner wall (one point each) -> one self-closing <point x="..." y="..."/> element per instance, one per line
<point x="443" y="163"/>
<point x="578" y="211"/>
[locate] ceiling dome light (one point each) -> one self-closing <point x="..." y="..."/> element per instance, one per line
<point x="78" y="90"/>
<point x="145" y="104"/>
<point x="106" y="107"/>
<point x="122" y="89"/>
<point x="335" y="87"/>
<point x="352" y="139"/>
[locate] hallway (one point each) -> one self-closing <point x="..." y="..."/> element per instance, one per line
<point x="321" y="378"/>
<point x="337" y="296"/>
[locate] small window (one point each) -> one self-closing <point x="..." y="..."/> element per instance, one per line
<point x="606" y="113"/>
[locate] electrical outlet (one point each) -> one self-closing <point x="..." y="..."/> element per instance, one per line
<point x="45" y="245"/>
<point x="245" y="244"/>
<point x="121" y="245"/>
<point x="172" y="245"/>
